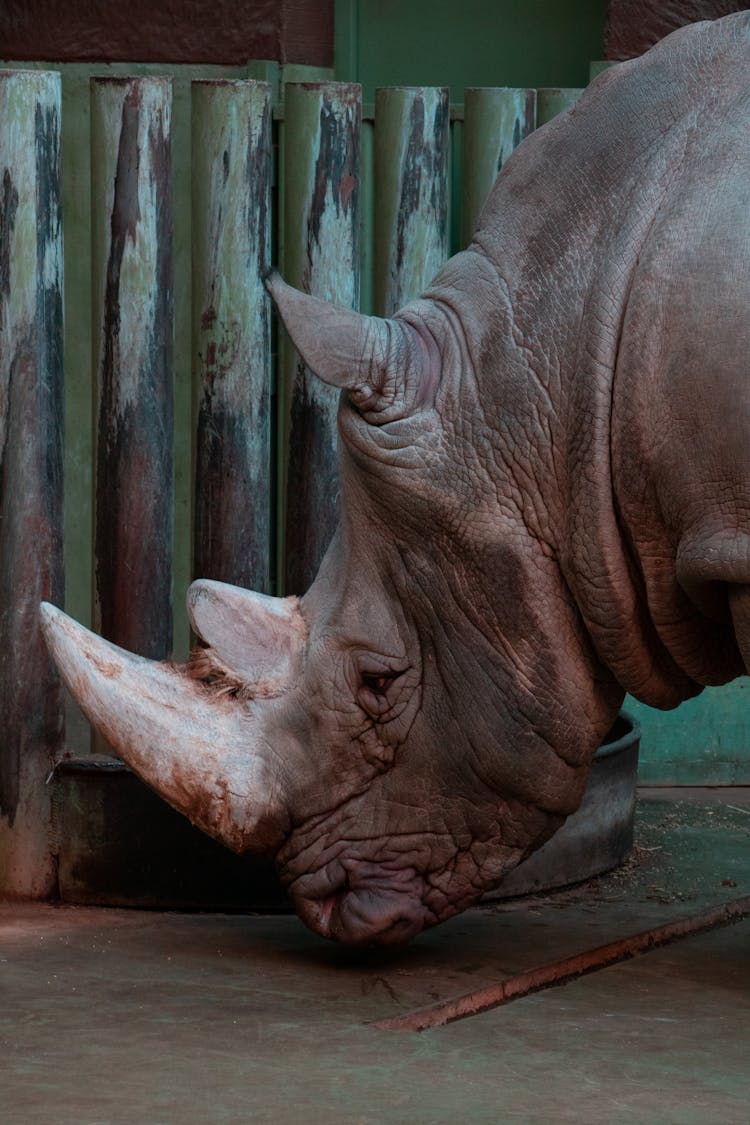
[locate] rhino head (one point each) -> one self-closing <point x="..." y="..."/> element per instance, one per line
<point x="423" y="718"/>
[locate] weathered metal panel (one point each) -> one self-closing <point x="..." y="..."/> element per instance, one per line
<point x="551" y="100"/>
<point x="132" y="361"/>
<point x="321" y="233"/>
<point x="496" y="120"/>
<point x="231" y="232"/>
<point x="31" y="416"/>
<point x="412" y="162"/>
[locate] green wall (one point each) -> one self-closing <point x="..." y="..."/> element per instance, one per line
<point x="473" y="43"/>
<point x="705" y="741"/>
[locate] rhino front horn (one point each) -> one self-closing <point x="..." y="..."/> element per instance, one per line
<point x="197" y="751"/>
<point x="387" y="366"/>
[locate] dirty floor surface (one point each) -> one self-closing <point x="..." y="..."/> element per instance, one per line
<point x="113" y="1016"/>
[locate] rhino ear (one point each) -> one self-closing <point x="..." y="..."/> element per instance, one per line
<point x="387" y="366"/>
<point x="252" y="639"/>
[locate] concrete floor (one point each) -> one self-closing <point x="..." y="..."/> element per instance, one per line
<point x="113" y="1016"/>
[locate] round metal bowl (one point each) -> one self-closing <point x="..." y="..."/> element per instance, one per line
<point x="599" y="835"/>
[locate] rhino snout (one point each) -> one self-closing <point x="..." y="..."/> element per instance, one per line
<point x="371" y="911"/>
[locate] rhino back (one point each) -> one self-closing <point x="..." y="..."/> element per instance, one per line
<point x="681" y="429"/>
<point x="620" y="236"/>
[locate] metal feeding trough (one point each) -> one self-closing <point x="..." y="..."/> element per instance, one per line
<point x="599" y="835"/>
<point x="121" y="845"/>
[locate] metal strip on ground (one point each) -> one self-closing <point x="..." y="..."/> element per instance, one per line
<point x="565" y="970"/>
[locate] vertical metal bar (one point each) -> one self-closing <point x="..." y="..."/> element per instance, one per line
<point x="132" y="360"/>
<point x="412" y="175"/>
<point x="551" y="100"/>
<point x="367" y="210"/>
<point x="31" y="486"/>
<point x="496" y="120"/>
<point x="231" y="236"/>
<point x="455" y="189"/>
<point x="321" y="256"/>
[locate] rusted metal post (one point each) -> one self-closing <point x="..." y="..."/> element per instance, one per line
<point x="31" y="419"/>
<point x="231" y="231"/>
<point x="321" y="231"/>
<point x="132" y="361"/>
<point x="551" y="100"/>
<point x="412" y="161"/>
<point x="496" y="120"/>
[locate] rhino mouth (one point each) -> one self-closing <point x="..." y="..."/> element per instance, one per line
<point x="385" y="910"/>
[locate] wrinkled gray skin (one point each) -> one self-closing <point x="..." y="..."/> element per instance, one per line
<point x="546" y="503"/>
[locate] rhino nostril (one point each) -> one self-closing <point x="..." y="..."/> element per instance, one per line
<point x="402" y="923"/>
<point x="353" y="902"/>
<point x="318" y="902"/>
<point x="325" y="911"/>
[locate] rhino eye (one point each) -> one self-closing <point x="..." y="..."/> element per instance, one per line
<point x="377" y="684"/>
<point x="378" y="693"/>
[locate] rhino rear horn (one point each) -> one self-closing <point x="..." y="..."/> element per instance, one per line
<point x="387" y="366"/>
<point x="251" y="638"/>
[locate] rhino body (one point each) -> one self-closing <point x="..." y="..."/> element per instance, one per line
<point x="545" y="476"/>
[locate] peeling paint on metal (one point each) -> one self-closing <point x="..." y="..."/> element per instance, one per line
<point x="31" y="568"/>
<point x="132" y="220"/>
<point x="412" y="187"/>
<point x="322" y="240"/>
<point x="231" y="334"/>
<point x="496" y="120"/>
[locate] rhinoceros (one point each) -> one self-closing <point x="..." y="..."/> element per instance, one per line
<point x="545" y="479"/>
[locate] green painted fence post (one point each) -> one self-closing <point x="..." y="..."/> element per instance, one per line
<point x="496" y="120"/>
<point x="321" y="238"/>
<point x="231" y="238"/>
<point x="31" y="474"/>
<point x="132" y="361"/>
<point x="551" y="100"/>
<point x="412" y="195"/>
